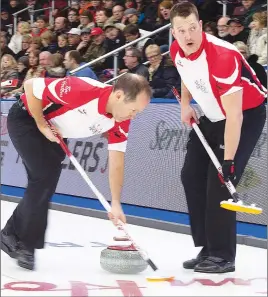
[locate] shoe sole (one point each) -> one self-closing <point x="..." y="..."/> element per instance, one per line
<point x="25" y="265"/>
<point x="189" y="267"/>
<point x="231" y="269"/>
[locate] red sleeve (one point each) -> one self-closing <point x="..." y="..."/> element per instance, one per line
<point x="173" y="51"/>
<point x="117" y="137"/>
<point x="227" y="72"/>
<point x="70" y="91"/>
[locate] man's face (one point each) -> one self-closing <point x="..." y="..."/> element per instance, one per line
<point x="73" y="39"/>
<point x="101" y="17"/>
<point x="13" y="3"/>
<point x="108" y="4"/>
<point x="235" y="28"/>
<point x="85" y="37"/>
<point x="223" y="28"/>
<point x="98" y="39"/>
<point x="125" y="110"/>
<point x="130" y="60"/>
<point x="72" y="17"/>
<point x="111" y="33"/>
<point x="130" y="37"/>
<point x="67" y="61"/>
<point x="188" y="33"/>
<point x="44" y="60"/>
<point x="3" y="42"/>
<point x="4" y="15"/>
<point x="118" y="12"/>
<point x="59" y="24"/>
<point x="84" y="20"/>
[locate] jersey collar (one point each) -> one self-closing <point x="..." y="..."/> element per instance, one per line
<point x="104" y="96"/>
<point x="195" y="55"/>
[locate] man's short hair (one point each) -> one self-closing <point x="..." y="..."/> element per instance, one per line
<point x="132" y="85"/>
<point x="135" y="52"/>
<point x="73" y="54"/>
<point x="183" y="9"/>
<point x="131" y="29"/>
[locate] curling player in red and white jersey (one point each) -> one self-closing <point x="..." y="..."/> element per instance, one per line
<point x="231" y="97"/>
<point x="76" y="108"/>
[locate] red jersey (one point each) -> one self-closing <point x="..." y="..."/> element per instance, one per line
<point x="217" y="69"/>
<point x="77" y="107"/>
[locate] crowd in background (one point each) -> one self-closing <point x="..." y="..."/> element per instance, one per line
<point x="88" y="29"/>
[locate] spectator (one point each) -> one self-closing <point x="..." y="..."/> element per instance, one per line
<point x="4" y="48"/>
<point x="252" y="60"/>
<point x="34" y="29"/>
<point x="84" y="6"/>
<point x="62" y="44"/>
<point x="55" y="69"/>
<point x="211" y="28"/>
<point x="16" y="40"/>
<point x="101" y="17"/>
<point x="257" y="41"/>
<point x="8" y="71"/>
<point x="133" y="16"/>
<point x="23" y="67"/>
<point x="114" y="39"/>
<point x="42" y="24"/>
<point x="95" y="5"/>
<point x="162" y="73"/>
<point x="140" y="5"/>
<point x="73" y="18"/>
<point x="47" y="40"/>
<point x="130" y="4"/>
<point x="72" y="61"/>
<point x="75" y="4"/>
<point x="36" y="44"/>
<point x="25" y="46"/>
<point x="133" y="59"/>
<point x="60" y="26"/>
<point x="74" y="37"/>
<point x="6" y="19"/>
<point x="222" y="26"/>
<point x="86" y="20"/>
<point x="131" y="33"/>
<point x="45" y="59"/>
<point x="96" y="50"/>
<point x="118" y="13"/>
<point x="35" y="70"/>
<point x="108" y="5"/>
<point x="85" y="41"/>
<point x="237" y="31"/>
<point x="162" y="38"/>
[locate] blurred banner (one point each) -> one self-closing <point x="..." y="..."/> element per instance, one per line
<point x="154" y="158"/>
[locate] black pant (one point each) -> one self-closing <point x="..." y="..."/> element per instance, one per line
<point x="213" y="227"/>
<point x="42" y="160"/>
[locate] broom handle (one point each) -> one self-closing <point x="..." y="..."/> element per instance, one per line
<point x="103" y="201"/>
<point x="210" y="152"/>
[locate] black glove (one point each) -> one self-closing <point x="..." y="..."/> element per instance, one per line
<point x="228" y="170"/>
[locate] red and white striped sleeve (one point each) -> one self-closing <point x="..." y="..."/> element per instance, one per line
<point x="118" y="136"/>
<point x="70" y="91"/>
<point x="226" y="70"/>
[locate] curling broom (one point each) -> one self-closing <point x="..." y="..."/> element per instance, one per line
<point x="233" y="204"/>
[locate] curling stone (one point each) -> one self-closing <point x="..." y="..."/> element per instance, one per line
<point x="122" y="260"/>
